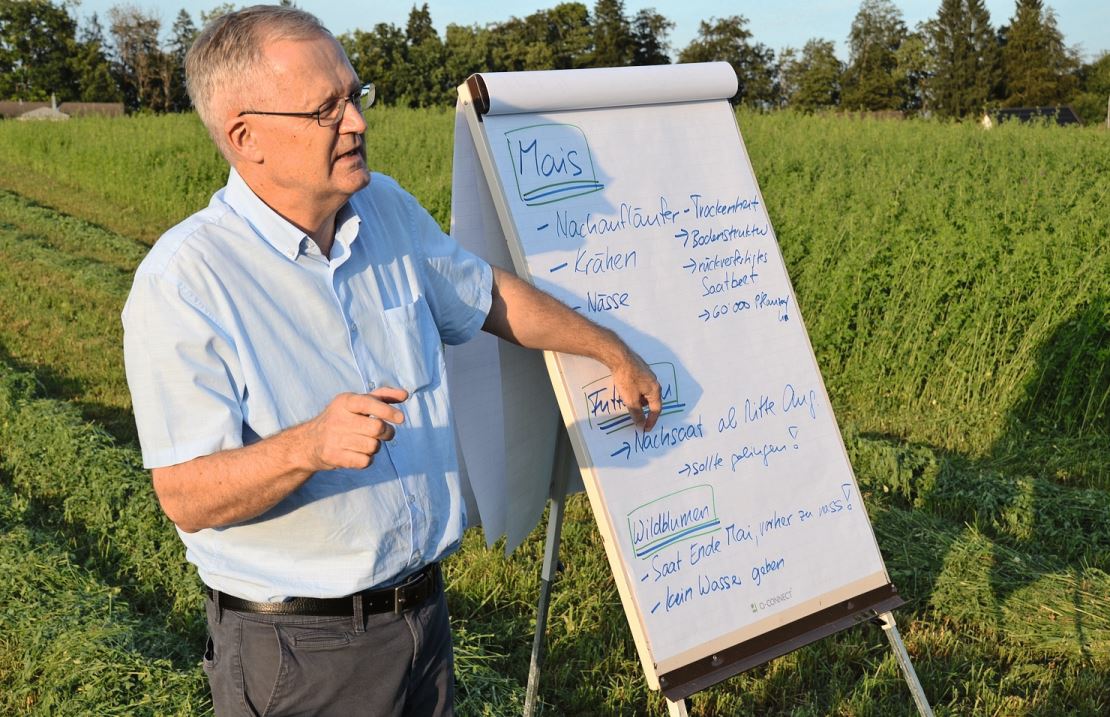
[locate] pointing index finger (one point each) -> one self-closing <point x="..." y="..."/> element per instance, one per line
<point x="378" y="403"/>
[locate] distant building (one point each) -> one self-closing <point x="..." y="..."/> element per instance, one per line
<point x="92" y="109"/>
<point x="43" y="113"/>
<point x="13" y="109"/>
<point x="1064" y="115"/>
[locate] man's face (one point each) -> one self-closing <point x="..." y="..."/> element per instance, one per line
<point x="304" y="162"/>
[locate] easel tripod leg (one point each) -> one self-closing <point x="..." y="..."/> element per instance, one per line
<point x="887" y="621"/>
<point x="550" y="566"/>
<point x="536" y="662"/>
<point x="677" y="709"/>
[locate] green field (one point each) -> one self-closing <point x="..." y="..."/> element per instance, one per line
<point x="956" y="287"/>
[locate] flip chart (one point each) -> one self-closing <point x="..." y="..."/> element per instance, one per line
<point x="734" y="528"/>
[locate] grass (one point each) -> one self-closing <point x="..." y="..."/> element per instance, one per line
<point x="69" y="645"/>
<point x="929" y="262"/>
<point x="137" y="176"/>
<point x="953" y="280"/>
<point x="62" y="287"/>
<point x="955" y="284"/>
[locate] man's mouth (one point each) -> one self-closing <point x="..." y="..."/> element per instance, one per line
<point x="352" y="154"/>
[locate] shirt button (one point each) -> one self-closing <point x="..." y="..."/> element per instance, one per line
<point x="353" y="327"/>
<point x="415" y="555"/>
<point x="412" y="500"/>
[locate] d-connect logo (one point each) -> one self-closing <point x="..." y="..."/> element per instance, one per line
<point x="773" y="601"/>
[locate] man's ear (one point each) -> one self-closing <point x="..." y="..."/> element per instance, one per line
<point x="241" y="140"/>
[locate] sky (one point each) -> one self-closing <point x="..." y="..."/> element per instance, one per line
<point x="777" y="24"/>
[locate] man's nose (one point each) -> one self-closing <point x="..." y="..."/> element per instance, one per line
<point x="353" y="121"/>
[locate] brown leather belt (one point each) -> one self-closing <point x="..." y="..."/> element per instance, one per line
<point x="415" y="590"/>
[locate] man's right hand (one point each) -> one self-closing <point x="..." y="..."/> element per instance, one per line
<point x="238" y="484"/>
<point x="352" y="428"/>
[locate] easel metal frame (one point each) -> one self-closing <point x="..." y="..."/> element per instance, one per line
<point x="557" y="501"/>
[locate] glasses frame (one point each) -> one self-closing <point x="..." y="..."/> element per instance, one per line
<point x="363" y="98"/>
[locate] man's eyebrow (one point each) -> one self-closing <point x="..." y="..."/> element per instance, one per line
<point x="343" y="94"/>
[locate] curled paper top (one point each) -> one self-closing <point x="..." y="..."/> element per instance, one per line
<point x="499" y="93"/>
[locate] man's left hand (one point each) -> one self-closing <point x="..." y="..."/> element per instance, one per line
<point x="639" y="389"/>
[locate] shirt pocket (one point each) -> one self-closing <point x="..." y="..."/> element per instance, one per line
<point x="413" y="346"/>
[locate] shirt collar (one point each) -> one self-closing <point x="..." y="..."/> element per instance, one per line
<point x="268" y="224"/>
<point x="279" y="232"/>
<point x="347" y="223"/>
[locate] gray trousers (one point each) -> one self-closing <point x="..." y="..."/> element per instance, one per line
<point x="270" y="665"/>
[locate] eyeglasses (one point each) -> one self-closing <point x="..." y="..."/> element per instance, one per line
<point x="331" y="112"/>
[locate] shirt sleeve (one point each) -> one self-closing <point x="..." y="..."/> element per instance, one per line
<point x="457" y="284"/>
<point x="183" y="373"/>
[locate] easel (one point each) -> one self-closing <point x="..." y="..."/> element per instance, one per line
<point x="549" y="108"/>
<point x="676" y="708"/>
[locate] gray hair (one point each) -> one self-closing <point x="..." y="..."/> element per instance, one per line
<point x="226" y="58"/>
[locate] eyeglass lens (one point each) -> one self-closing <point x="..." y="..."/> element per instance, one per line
<point x="331" y="113"/>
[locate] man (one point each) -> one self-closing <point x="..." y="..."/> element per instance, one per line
<point x="284" y="354"/>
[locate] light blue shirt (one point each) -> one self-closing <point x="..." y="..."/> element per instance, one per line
<point x="238" y="327"/>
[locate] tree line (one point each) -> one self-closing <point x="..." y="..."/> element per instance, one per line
<point x="954" y="65"/>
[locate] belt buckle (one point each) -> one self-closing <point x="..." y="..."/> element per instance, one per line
<point x="398" y="596"/>
<point x="398" y="600"/>
<point x="414" y="581"/>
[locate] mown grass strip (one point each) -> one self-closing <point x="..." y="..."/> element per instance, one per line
<point x="106" y="503"/>
<point x="1026" y="606"/>
<point x="70" y="234"/>
<point x="105" y="283"/>
<point x="63" y="467"/>
<point x="1038" y="606"/>
<point x="135" y="175"/>
<point x="60" y="306"/>
<point x="69" y="645"/>
<point x="66" y="194"/>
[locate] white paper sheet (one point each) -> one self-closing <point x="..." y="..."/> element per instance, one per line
<point x="505" y="412"/>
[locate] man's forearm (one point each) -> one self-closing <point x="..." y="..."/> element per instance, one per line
<point x="240" y="483"/>
<point x="232" y="485"/>
<point x="528" y="317"/>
